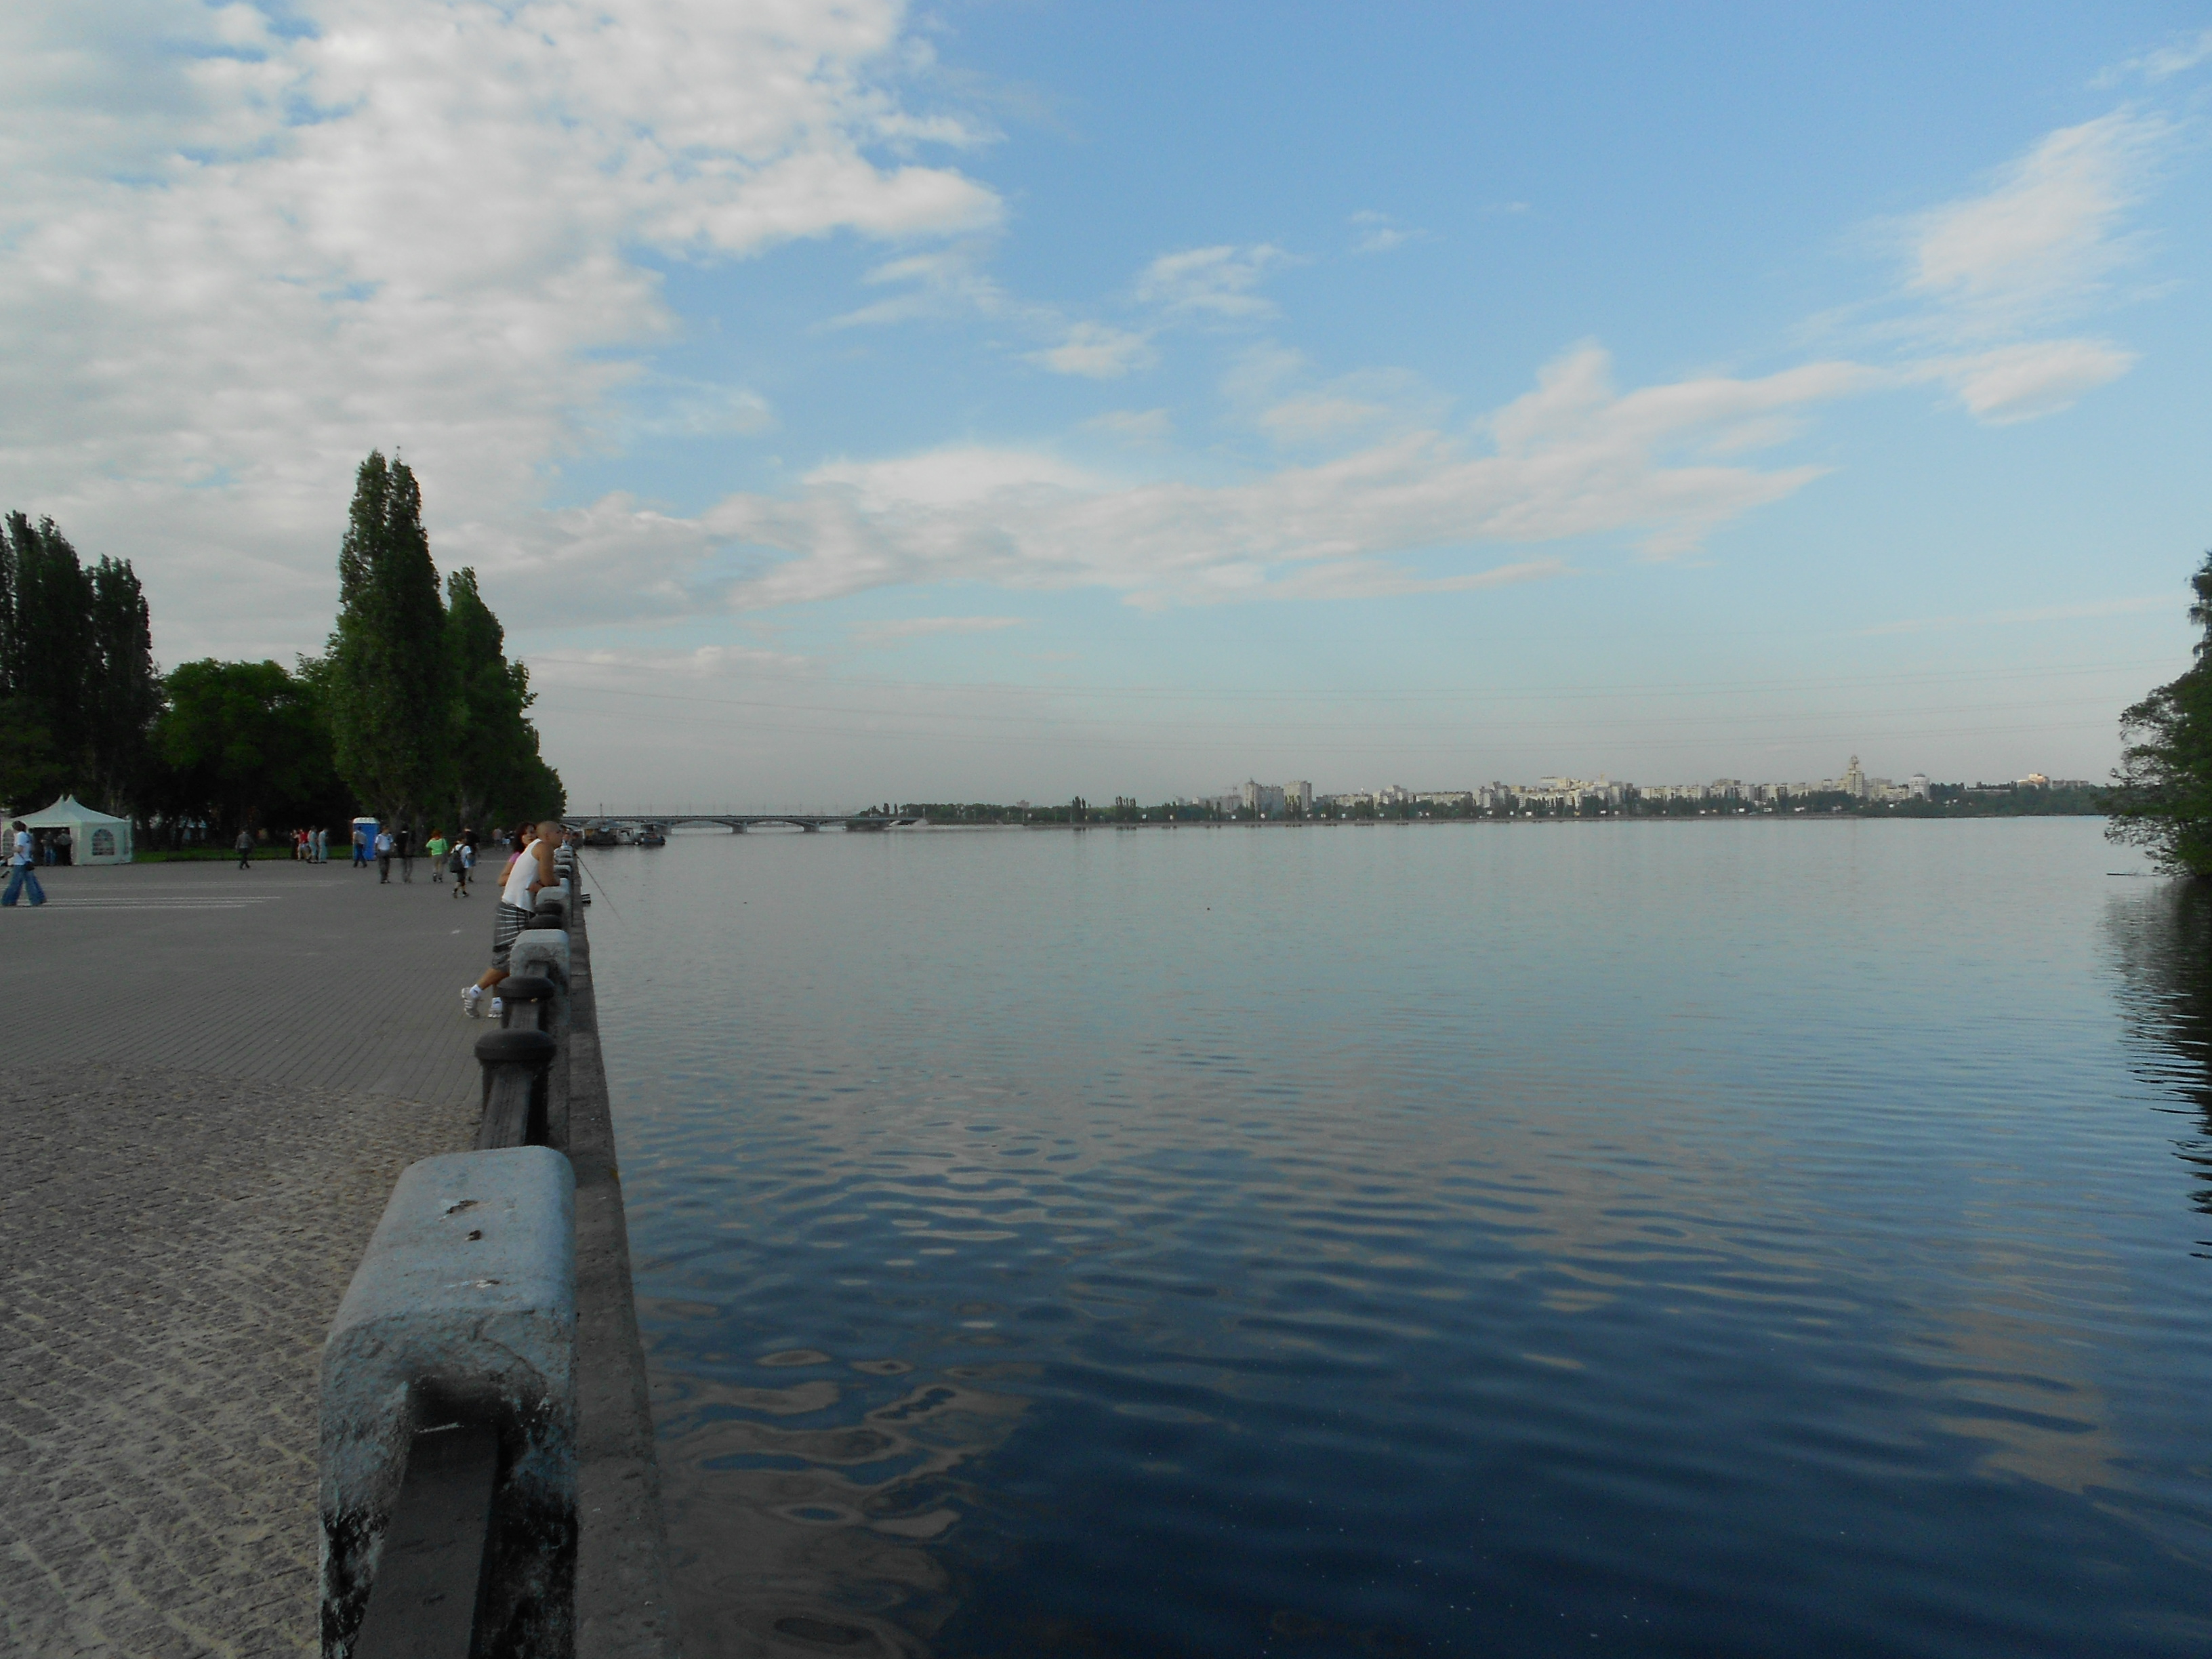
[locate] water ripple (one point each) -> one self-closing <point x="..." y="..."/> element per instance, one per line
<point x="1728" y="1239"/>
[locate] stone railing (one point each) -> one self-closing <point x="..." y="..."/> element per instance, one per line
<point x="449" y="1389"/>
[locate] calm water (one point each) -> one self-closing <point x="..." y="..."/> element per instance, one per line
<point x="1703" y="1238"/>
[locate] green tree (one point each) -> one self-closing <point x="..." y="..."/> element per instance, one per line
<point x="49" y="645"/>
<point x="2162" y="798"/>
<point x="78" y="693"/>
<point x="500" y="777"/>
<point x="248" y="745"/>
<point x="391" y="684"/>
<point x="124" y="697"/>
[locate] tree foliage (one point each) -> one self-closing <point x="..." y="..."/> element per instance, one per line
<point x="78" y="692"/>
<point x="248" y="745"/>
<point x="500" y="777"/>
<point x="2163" y="797"/>
<point x="391" y="680"/>
<point x="416" y="710"/>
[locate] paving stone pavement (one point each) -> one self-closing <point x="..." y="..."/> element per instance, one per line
<point x="212" y="1078"/>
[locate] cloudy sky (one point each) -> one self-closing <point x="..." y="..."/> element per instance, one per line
<point x="1007" y="398"/>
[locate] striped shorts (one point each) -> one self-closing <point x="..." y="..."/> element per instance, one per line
<point x="506" y="921"/>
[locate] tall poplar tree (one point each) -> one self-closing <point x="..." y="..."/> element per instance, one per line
<point x="50" y="632"/>
<point x="124" y="695"/>
<point x="78" y="693"/>
<point x="502" y="776"/>
<point x="389" y="678"/>
<point x="2163" y="801"/>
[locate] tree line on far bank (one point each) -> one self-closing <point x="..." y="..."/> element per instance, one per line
<point x="2162" y="802"/>
<point x="412" y="713"/>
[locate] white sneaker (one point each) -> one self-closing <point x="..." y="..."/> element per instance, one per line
<point x="498" y="1008"/>
<point x="471" y="995"/>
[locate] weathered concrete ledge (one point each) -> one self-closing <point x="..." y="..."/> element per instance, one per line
<point x="623" y="1609"/>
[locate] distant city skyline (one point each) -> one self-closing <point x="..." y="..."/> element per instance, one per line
<point x="854" y="402"/>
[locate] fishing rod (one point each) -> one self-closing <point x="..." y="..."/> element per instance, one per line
<point x="579" y="851"/>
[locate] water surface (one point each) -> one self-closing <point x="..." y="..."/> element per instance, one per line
<point x="1644" y="1238"/>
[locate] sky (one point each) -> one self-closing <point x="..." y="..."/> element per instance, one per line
<point x="1007" y="400"/>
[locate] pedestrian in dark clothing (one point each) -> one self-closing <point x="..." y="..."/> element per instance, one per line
<point x="406" y="850"/>
<point x="244" y="844"/>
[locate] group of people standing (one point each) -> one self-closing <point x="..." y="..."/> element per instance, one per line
<point x="308" y="847"/>
<point x="453" y="855"/>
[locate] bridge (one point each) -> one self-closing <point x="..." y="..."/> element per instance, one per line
<point x="737" y="822"/>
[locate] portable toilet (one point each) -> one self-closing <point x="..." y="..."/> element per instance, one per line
<point x="365" y="829"/>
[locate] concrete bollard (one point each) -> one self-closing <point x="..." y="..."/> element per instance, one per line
<point x="462" y="1312"/>
<point x="515" y="1065"/>
<point x="543" y="951"/>
<point x="526" y="1002"/>
<point x="552" y="907"/>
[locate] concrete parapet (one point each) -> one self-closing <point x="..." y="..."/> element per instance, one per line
<point x="463" y="1310"/>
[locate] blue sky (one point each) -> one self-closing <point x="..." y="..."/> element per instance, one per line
<point x="1003" y="400"/>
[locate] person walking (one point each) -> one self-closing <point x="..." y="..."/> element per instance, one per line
<point x="22" y="869"/>
<point x="437" y="847"/>
<point x="405" y="835"/>
<point x="322" y="847"/>
<point x="359" y="847"/>
<point x="465" y="858"/>
<point x="244" y="845"/>
<point x="383" y="858"/>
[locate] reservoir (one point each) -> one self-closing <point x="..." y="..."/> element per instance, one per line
<point x="1706" y="1237"/>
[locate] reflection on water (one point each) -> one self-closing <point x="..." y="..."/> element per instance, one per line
<point x="2161" y="938"/>
<point x="1658" y="1239"/>
<point x="808" y="1537"/>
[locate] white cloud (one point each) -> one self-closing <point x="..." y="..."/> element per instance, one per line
<point x="690" y="409"/>
<point x="2042" y="241"/>
<point x="1098" y="352"/>
<point x="1211" y="281"/>
<point x="2021" y="382"/>
<point x="1989" y="277"/>
<point x="945" y="282"/>
<point x="950" y="477"/>
<point x="919" y="628"/>
<point x="2184" y="52"/>
<point x="1573" y="457"/>
<point x="232" y="258"/>
<point x="1377" y="233"/>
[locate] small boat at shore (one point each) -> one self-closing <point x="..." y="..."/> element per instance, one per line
<point x="651" y="836"/>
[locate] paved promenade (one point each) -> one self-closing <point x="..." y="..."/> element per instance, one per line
<point x="212" y="1076"/>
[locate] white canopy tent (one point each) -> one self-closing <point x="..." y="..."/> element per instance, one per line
<point x="94" y="837"/>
